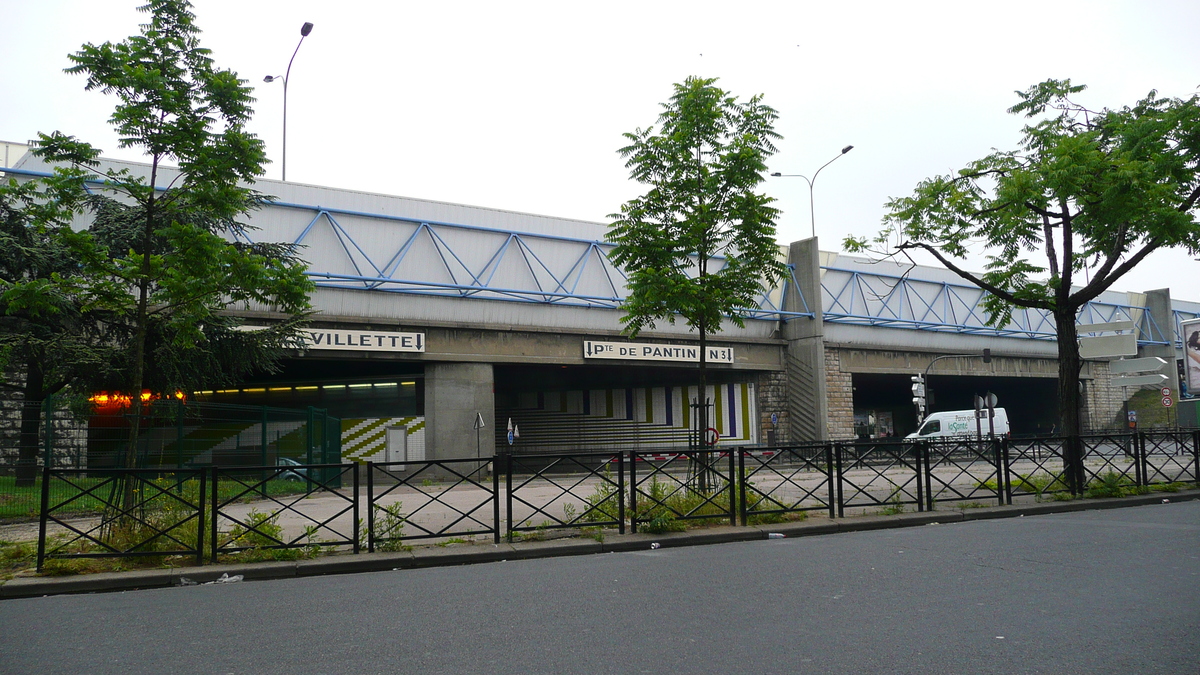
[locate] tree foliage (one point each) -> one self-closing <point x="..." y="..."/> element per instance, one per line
<point x="172" y="264"/>
<point x="700" y="243"/>
<point x="1094" y="189"/>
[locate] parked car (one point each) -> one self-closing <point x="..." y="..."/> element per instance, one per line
<point x="300" y="472"/>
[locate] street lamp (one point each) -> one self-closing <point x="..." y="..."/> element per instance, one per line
<point x="304" y="31"/>
<point x="811" y="209"/>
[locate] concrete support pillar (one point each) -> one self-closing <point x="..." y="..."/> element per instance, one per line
<point x="1158" y="305"/>
<point x="454" y="393"/>
<point x="807" y="406"/>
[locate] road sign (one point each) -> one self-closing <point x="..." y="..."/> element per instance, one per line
<point x="1138" y="380"/>
<point x="479" y="421"/>
<point x="711" y="436"/>
<point x="511" y="438"/>
<point x="1144" y="365"/>
<point x="774" y="419"/>
<point x="1108" y="346"/>
<point x="1167" y="402"/>
<point x="1132" y="415"/>
<point x="1165" y="391"/>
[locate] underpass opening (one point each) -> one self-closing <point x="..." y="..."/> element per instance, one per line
<point x="883" y="404"/>
<point x="619" y="407"/>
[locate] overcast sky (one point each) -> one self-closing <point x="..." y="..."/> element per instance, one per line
<point x="521" y="105"/>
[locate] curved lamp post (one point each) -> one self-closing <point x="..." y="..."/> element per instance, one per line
<point x="304" y="31"/>
<point x="812" y="209"/>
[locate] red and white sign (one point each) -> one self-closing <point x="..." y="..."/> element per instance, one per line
<point x="1167" y="402"/>
<point x="1165" y="391"/>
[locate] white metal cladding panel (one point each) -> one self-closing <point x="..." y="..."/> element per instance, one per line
<point x="876" y="337"/>
<point x="443" y="310"/>
<point x="423" y="209"/>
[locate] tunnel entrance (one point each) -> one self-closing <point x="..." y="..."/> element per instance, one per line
<point x="883" y="402"/>
<point x="618" y="407"/>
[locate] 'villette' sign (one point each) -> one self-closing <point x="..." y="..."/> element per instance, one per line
<point x="364" y="340"/>
<point x="644" y="351"/>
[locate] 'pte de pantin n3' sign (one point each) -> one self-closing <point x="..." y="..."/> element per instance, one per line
<point x="644" y="351"/>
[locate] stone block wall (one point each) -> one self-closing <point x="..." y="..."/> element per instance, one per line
<point x="839" y="390"/>
<point x="1103" y="403"/>
<point x="772" y="398"/>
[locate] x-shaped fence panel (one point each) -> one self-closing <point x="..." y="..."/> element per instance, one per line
<point x="1110" y="458"/>
<point x="318" y="514"/>
<point x="785" y="480"/>
<point x="432" y="499"/>
<point x="144" y="513"/>
<point x="885" y="474"/>
<point x="1170" y="457"/>
<point x="964" y="470"/>
<point x="549" y="491"/>
<point x="687" y="485"/>
<point x="1036" y="466"/>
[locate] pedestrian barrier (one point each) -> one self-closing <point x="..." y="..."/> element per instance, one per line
<point x="102" y="513"/>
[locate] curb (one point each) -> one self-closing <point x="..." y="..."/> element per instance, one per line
<point x="106" y="582"/>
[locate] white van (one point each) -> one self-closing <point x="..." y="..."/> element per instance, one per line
<point x="960" y="423"/>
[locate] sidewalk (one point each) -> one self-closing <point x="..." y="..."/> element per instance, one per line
<point x="473" y="553"/>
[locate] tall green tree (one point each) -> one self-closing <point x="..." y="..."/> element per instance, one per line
<point x="700" y="243"/>
<point x="48" y="333"/>
<point x="180" y="269"/>
<point x="1100" y="189"/>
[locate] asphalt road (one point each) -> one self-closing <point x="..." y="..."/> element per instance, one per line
<point x="1114" y="591"/>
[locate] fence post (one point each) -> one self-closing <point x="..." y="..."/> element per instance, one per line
<point x="1196" y="456"/>
<point x="924" y="487"/>
<point x="999" y="471"/>
<point x="829" y="474"/>
<point x="496" y="497"/>
<point x="357" y="526"/>
<point x="741" y="474"/>
<point x="508" y="499"/>
<point x="1143" y="459"/>
<point x="928" y="453"/>
<point x="732" y="488"/>
<point x="837" y="453"/>
<point x="44" y="513"/>
<point x="633" y="510"/>
<point x="620" y="493"/>
<point x="1006" y="461"/>
<point x="200" y="530"/>
<point x="216" y="511"/>
<point x="370" y="506"/>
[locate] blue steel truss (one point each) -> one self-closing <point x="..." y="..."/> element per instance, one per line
<point x="849" y="296"/>
<point x="447" y="273"/>
<point x="893" y="301"/>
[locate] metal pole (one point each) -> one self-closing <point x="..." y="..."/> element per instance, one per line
<point x="370" y="506"/>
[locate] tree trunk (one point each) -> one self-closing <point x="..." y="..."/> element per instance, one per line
<point x="1069" y="399"/>
<point x="31" y="419"/>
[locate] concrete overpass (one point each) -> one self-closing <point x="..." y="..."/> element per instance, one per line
<point x="430" y="314"/>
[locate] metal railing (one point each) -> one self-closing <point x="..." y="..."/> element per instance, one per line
<point x="130" y="513"/>
<point x="444" y="498"/>
<point x="239" y="525"/>
<point x="540" y="486"/>
<point x="784" y="480"/>
<point x="223" y="511"/>
<point x="684" y="485"/>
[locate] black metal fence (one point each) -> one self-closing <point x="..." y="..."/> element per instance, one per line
<point x="150" y="512"/>
<point x="173" y="436"/>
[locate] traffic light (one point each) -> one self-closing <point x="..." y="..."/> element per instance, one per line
<point x="918" y="390"/>
<point x="987" y="356"/>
